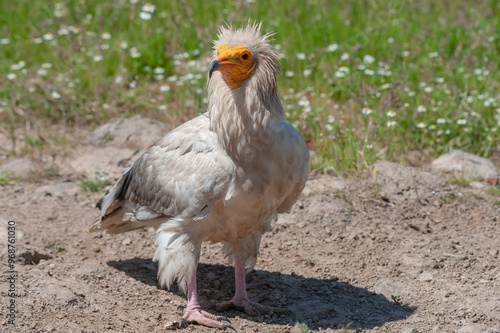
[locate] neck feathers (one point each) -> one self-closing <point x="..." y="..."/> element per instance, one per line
<point x="241" y="117"/>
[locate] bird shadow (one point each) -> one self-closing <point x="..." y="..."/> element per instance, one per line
<point x="318" y="303"/>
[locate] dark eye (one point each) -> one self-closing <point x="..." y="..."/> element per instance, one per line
<point x="245" y="56"/>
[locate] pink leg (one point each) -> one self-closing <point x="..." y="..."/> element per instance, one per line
<point x="240" y="299"/>
<point x="194" y="314"/>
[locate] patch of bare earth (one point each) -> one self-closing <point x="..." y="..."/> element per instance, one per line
<point x="393" y="249"/>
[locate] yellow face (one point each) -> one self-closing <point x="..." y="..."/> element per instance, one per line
<point x="236" y="63"/>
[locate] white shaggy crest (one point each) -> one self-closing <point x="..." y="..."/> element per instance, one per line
<point x="249" y="36"/>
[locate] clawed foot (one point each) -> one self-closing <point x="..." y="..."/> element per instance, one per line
<point x="201" y="317"/>
<point x="249" y="307"/>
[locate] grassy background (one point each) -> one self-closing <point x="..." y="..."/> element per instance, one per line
<point x="361" y="79"/>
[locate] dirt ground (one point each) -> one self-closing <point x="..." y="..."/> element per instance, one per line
<point x="392" y="249"/>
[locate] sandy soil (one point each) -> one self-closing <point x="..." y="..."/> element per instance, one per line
<point x="392" y="249"/>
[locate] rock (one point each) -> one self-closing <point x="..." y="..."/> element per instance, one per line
<point x="119" y="144"/>
<point x="477" y="185"/>
<point x="18" y="168"/>
<point x="6" y="143"/>
<point x="410" y="330"/>
<point x="59" y="189"/>
<point x="136" y="133"/>
<point x="101" y="163"/>
<point x="390" y="287"/>
<point x="425" y="277"/>
<point x="324" y="184"/>
<point x="397" y="183"/>
<point x="464" y="165"/>
<point x="473" y="328"/>
<point x="59" y="293"/>
<point x="126" y="241"/>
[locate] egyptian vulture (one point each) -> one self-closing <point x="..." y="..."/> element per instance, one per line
<point x="223" y="176"/>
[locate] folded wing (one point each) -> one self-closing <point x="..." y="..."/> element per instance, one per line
<point x="182" y="176"/>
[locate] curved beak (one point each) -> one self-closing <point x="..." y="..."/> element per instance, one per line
<point x="214" y="65"/>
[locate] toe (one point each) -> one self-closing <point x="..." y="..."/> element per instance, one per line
<point x="249" y="307"/>
<point x="218" y="318"/>
<point x="180" y="310"/>
<point x="226" y="325"/>
<point x="207" y="319"/>
<point x="241" y="306"/>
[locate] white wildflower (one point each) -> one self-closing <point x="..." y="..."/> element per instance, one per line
<point x="433" y="54"/>
<point x="369" y="72"/>
<point x="332" y="48"/>
<point x="158" y="70"/>
<point x="366" y="111"/>
<point x="391" y="123"/>
<point x="145" y="16"/>
<point x="368" y="59"/>
<point x="301" y="56"/>
<point x="148" y="8"/>
<point x="48" y="36"/>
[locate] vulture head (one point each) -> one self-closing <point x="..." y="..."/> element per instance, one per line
<point x="244" y="58"/>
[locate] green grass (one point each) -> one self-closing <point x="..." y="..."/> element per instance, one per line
<point x="494" y="190"/>
<point x="460" y="181"/>
<point x="8" y="178"/>
<point x="427" y="73"/>
<point x="302" y="327"/>
<point x="396" y="299"/>
<point x="56" y="246"/>
<point x="93" y="185"/>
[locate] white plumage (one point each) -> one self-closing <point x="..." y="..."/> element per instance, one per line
<point x="221" y="177"/>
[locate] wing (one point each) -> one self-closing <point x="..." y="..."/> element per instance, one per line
<point x="296" y="166"/>
<point x="181" y="175"/>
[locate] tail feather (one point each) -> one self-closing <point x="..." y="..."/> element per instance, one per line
<point x="123" y="220"/>
<point x="121" y="215"/>
<point x="178" y="255"/>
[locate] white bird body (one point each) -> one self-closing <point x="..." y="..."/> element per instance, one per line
<point x="223" y="176"/>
